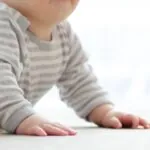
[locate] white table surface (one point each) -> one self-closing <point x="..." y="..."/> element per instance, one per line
<point x="88" y="138"/>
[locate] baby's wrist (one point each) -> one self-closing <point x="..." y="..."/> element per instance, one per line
<point x="24" y="124"/>
<point x="99" y="113"/>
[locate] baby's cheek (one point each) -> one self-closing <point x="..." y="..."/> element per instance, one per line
<point x="74" y="3"/>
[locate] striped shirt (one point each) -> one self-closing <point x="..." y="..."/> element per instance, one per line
<point x="30" y="67"/>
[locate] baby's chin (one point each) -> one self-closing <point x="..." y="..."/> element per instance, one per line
<point x="64" y="4"/>
<point x="62" y="12"/>
<point x="56" y="11"/>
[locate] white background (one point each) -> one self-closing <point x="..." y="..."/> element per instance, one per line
<point x="116" y="35"/>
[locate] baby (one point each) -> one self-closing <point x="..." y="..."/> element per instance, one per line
<point x="38" y="50"/>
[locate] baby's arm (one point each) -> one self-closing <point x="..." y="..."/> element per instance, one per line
<point x="14" y="108"/>
<point x="78" y="85"/>
<point x="80" y="89"/>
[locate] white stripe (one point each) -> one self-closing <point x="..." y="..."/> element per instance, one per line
<point x="36" y="53"/>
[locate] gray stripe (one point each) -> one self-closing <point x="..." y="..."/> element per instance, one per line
<point x="9" y="43"/>
<point x="10" y="54"/>
<point x="46" y="67"/>
<point x="36" y="74"/>
<point x="44" y="79"/>
<point x="7" y="80"/>
<point x="83" y="100"/>
<point x="10" y="60"/>
<point x="37" y="95"/>
<point x="81" y="85"/>
<point x="81" y="82"/>
<point x="92" y="99"/>
<point x="45" y="74"/>
<point x="10" y="91"/>
<point x="42" y="88"/>
<point x="74" y="79"/>
<point x="78" y="59"/>
<point x="6" y="48"/>
<point x="7" y="66"/>
<point x="76" y="89"/>
<point x="4" y="25"/>
<point x="88" y="90"/>
<point x="5" y="28"/>
<point x="36" y="85"/>
<point x="52" y="58"/>
<point x="5" y="35"/>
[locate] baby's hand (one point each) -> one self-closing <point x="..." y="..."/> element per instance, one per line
<point x="106" y="116"/>
<point x="36" y="125"/>
<point x="115" y="119"/>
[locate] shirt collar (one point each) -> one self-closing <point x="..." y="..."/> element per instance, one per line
<point x="22" y="21"/>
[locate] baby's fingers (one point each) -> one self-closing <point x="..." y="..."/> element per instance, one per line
<point x="113" y="122"/>
<point x="130" y="121"/>
<point x="53" y="130"/>
<point x="67" y="129"/>
<point x="36" y="130"/>
<point x="134" y="121"/>
<point x="144" y="123"/>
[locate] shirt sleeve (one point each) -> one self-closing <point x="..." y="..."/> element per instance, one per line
<point x="78" y="86"/>
<point x="14" y="108"/>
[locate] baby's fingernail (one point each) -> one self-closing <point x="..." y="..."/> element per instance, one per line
<point x="73" y="132"/>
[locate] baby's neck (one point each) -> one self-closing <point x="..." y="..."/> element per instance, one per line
<point x="40" y="31"/>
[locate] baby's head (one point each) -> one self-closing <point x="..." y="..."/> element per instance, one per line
<point x="46" y="11"/>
